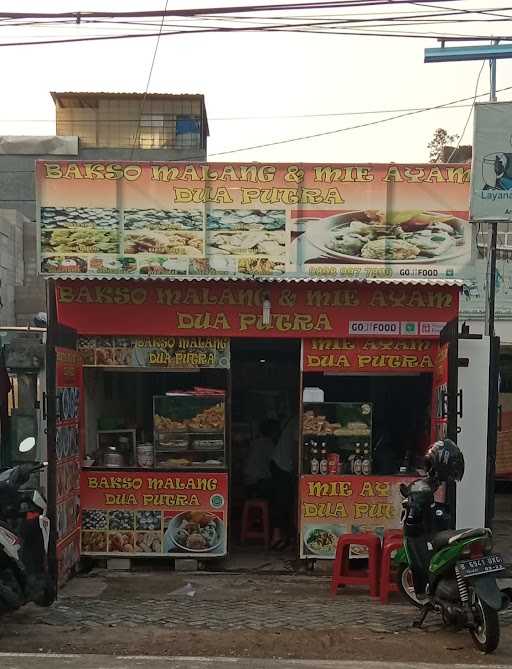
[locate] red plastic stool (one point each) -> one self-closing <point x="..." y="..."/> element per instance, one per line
<point x="388" y="582"/>
<point x="341" y="572"/>
<point x="390" y="535"/>
<point x="255" y="521"/>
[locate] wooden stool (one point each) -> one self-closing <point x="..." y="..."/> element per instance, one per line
<point x="255" y="522"/>
<point x="341" y="572"/>
<point x="388" y="582"/>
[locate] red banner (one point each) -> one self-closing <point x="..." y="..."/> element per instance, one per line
<point x="68" y="457"/>
<point x="154" y="513"/>
<point x="236" y="309"/>
<point x="368" y="355"/>
<point x="334" y="505"/>
<point x="439" y="422"/>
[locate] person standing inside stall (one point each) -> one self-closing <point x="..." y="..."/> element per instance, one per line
<point x="257" y="475"/>
<point x="283" y="467"/>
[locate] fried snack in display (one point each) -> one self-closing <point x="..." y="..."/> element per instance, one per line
<point x="163" y="424"/>
<point x="209" y="420"/>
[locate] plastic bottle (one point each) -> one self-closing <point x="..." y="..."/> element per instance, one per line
<point x="324" y="465"/>
<point x="366" y="465"/>
<point x="357" y="461"/>
<point x="314" y="461"/>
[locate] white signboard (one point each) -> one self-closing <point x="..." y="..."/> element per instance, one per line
<point x="491" y="176"/>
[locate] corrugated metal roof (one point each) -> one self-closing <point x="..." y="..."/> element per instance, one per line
<point x="119" y="94"/>
<point x="266" y="279"/>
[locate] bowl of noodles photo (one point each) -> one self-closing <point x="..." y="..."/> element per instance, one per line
<point x="322" y="540"/>
<point x="194" y="531"/>
<point x="375" y="236"/>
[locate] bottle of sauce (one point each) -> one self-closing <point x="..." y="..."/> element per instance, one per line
<point x="334" y="464"/>
<point x="357" y="461"/>
<point x="314" y="462"/>
<point x="324" y="465"/>
<point x="366" y="465"/>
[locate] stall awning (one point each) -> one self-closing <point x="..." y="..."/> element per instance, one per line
<point x="402" y="281"/>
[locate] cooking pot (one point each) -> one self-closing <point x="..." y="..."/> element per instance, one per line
<point x="113" y="460"/>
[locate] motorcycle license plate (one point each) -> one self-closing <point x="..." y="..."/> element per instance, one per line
<point x="479" y="566"/>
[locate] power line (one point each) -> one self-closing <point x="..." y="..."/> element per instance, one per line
<point x="469" y="115"/>
<point x="332" y="4"/>
<point x="136" y="138"/>
<point x="353" y="127"/>
<point x="275" y="117"/>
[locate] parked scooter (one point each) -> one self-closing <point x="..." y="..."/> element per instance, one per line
<point x="24" y="539"/>
<point x="452" y="572"/>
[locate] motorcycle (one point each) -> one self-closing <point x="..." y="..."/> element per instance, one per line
<point x="451" y="572"/>
<point x="24" y="539"/>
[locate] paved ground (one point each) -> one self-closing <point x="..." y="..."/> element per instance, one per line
<point x="9" y="661"/>
<point x="212" y="615"/>
<point x="217" y="602"/>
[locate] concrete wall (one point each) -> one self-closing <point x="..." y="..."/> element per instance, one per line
<point x="11" y="262"/>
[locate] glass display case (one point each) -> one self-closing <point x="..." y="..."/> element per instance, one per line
<point x="189" y="430"/>
<point x="337" y="438"/>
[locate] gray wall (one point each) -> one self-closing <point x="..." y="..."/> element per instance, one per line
<point x="11" y="262"/>
<point x="17" y="191"/>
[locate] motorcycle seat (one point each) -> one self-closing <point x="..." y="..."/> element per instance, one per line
<point x="448" y="537"/>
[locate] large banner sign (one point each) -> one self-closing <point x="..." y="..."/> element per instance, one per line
<point x="491" y="189"/>
<point x="235" y="309"/>
<point x="169" y="219"/>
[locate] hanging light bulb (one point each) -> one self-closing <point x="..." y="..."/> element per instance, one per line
<point x="266" y="310"/>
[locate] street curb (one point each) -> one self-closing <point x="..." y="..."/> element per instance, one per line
<point x="119" y="662"/>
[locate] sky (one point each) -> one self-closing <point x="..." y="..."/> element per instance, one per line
<point x="273" y="84"/>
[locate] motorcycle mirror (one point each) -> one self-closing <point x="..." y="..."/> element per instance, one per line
<point x="27" y="445"/>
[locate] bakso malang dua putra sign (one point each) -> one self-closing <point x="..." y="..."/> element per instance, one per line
<point x="172" y="219"/>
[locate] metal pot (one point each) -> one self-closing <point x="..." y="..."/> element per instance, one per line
<point x="113" y="460"/>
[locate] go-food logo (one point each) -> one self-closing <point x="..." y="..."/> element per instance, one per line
<point x="217" y="501"/>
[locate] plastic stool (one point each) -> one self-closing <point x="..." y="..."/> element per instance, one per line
<point x="388" y="582"/>
<point x="341" y="572"/>
<point x="390" y="535"/>
<point x="255" y="521"/>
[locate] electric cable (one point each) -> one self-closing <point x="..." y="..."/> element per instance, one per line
<point x="136" y="138"/>
<point x="469" y="115"/>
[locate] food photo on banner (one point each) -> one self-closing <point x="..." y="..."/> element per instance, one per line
<point x="177" y="219"/>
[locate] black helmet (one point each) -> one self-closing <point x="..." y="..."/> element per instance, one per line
<point x="444" y="461"/>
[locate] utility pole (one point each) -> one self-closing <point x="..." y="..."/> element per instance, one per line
<point x="490" y="284"/>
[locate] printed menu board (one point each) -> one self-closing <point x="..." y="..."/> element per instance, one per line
<point x="171" y="219"/>
<point x="154" y="514"/>
<point x="67" y="456"/>
<point x="331" y="506"/>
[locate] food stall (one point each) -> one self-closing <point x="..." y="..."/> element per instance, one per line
<point x="157" y="421"/>
<point x="158" y="272"/>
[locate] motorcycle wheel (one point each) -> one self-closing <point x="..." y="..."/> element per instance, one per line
<point x="11" y="596"/>
<point x="47" y="596"/>
<point x="486" y="636"/>
<point x="406" y="587"/>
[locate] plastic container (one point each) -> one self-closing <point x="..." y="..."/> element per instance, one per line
<point x="145" y="455"/>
